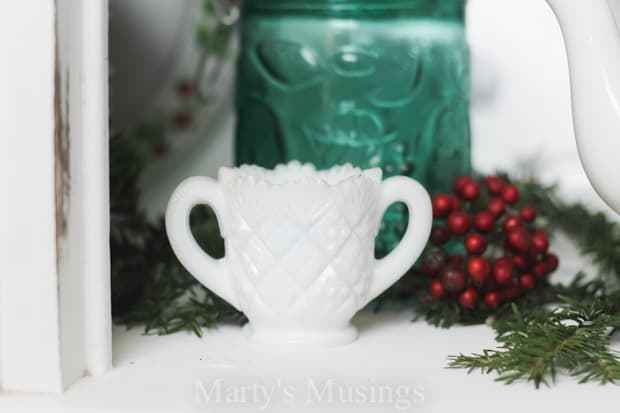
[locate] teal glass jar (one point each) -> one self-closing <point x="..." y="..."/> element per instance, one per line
<point x="372" y="82"/>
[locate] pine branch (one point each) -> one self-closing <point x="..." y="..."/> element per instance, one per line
<point x="172" y="300"/>
<point x="150" y="287"/>
<point x="534" y="346"/>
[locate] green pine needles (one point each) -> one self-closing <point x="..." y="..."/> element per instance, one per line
<point x="534" y="346"/>
<point x="150" y="288"/>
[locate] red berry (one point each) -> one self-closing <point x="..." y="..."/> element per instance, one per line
<point x="484" y="221"/>
<point x="470" y="191"/>
<point x="456" y="260"/>
<point x="459" y="183"/>
<point x="456" y="203"/>
<point x="540" y="270"/>
<point x="433" y="262"/>
<point x="160" y="149"/>
<point x="519" y="239"/>
<point x="497" y="207"/>
<point x="520" y="261"/>
<point x="468" y="298"/>
<point x="185" y="89"/>
<point x="540" y="241"/>
<point x="476" y="244"/>
<point x="459" y="222"/>
<point x="527" y="281"/>
<point x="502" y="271"/>
<point x="442" y="205"/>
<point x="532" y="254"/>
<point x="502" y="275"/>
<point x="528" y="213"/>
<point x="510" y="292"/>
<point x="511" y="222"/>
<point x="440" y="235"/>
<point x="494" y="184"/>
<point x="428" y="270"/>
<point x="436" y="289"/>
<point x="552" y="262"/>
<point x="492" y="299"/>
<point x="453" y="279"/>
<point x="510" y="194"/>
<point x="183" y="119"/>
<point x="479" y="269"/>
<point x="503" y="261"/>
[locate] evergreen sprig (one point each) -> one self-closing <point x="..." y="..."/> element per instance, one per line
<point x="150" y="288"/>
<point x="535" y="345"/>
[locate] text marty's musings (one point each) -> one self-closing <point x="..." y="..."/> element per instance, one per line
<point x="261" y="394"/>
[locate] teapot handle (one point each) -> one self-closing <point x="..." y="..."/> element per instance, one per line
<point x="390" y="268"/>
<point x="212" y="273"/>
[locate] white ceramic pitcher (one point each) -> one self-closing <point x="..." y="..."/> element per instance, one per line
<point x="299" y="245"/>
<point x="593" y="48"/>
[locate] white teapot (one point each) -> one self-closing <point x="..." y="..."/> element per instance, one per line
<point x="593" y="48"/>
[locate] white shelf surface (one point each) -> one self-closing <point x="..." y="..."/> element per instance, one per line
<point x="165" y="373"/>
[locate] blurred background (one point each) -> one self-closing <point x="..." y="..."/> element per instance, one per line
<point x="520" y="108"/>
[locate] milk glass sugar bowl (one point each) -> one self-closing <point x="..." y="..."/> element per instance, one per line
<point x="299" y="242"/>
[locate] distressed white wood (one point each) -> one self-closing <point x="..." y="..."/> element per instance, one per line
<point x="84" y="253"/>
<point x="29" y="328"/>
<point x="54" y="280"/>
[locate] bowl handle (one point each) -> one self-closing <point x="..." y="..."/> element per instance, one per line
<point x="212" y="273"/>
<point x="390" y="268"/>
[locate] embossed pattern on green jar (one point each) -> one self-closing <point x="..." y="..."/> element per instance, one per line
<point x="374" y="83"/>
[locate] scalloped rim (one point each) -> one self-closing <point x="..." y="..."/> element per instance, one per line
<point x="295" y="172"/>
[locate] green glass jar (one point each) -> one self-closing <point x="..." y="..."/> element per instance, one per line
<point x="372" y="82"/>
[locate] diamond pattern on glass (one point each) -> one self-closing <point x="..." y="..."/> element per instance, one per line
<point x="306" y="272"/>
<point x="278" y="233"/>
<point x="348" y="263"/>
<point x="253" y="256"/>
<point x="312" y="248"/>
<point x="330" y="291"/>
<point x="278" y="290"/>
<point x="330" y="231"/>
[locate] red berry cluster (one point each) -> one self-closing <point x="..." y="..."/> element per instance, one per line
<point x="182" y="119"/>
<point x="505" y="253"/>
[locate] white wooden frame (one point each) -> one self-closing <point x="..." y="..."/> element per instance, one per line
<point x="55" y="323"/>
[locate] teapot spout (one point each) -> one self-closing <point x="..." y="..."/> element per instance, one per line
<point x="593" y="49"/>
